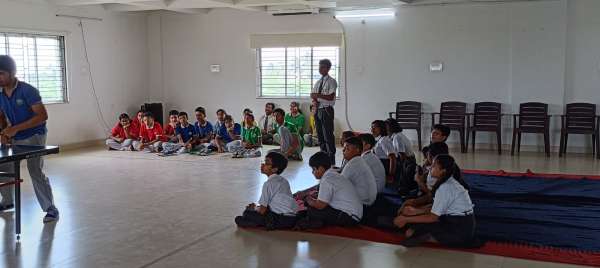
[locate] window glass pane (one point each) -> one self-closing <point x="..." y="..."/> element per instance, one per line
<point x="40" y="62"/>
<point x="291" y="72"/>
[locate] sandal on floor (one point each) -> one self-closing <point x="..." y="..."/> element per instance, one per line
<point x="7" y="207"/>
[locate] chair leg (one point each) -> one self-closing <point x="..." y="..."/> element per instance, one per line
<point x="561" y="147"/>
<point x="462" y="141"/>
<point x="514" y="139"/>
<point x="519" y="142"/>
<point x="547" y="142"/>
<point x="473" y="140"/>
<point x="499" y="138"/>
<point x="419" y="139"/>
<point x="593" y="144"/>
<point x="565" y="141"/>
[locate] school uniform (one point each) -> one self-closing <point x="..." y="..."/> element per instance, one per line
<point x="119" y="132"/>
<point x="325" y="115"/>
<point x="383" y="148"/>
<point x="456" y="224"/>
<point x="276" y="196"/>
<point x="17" y="109"/>
<point x="229" y="139"/>
<point x="170" y="134"/>
<point x="186" y="132"/>
<point x="377" y="169"/>
<point x="250" y="135"/>
<point x="267" y="124"/>
<point x="405" y="168"/>
<point x="310" y="139"/>
<point x="358" y="172"/>
<point x="344" y="206"/>
<point x="149" y="134"/>
<point x="287" y="133"/>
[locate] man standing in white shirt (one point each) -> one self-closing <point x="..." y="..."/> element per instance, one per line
<point x="323" y="93"/>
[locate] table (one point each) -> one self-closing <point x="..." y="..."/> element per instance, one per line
<point x="15" y="154"/>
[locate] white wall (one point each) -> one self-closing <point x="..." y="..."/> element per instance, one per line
<point x="117" y="47"/>
<point x="510" y="53"/>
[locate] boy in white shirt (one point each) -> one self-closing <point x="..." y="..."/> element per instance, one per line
<point x="337" y="202"/>
<point x="358" y="172"/>
<point x="368" y="142"/>
<point x="405" y="157"/>
<point x="276" y="207"/>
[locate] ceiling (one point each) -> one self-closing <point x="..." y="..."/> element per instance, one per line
<point x="271" y="6"/>
<point x="204" y="6"/>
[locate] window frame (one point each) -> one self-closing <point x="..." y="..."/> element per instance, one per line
<point x="64" y="50"/>
<point x="259" y="94"/>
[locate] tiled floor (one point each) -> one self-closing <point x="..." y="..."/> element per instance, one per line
<point x="128" y="209"/>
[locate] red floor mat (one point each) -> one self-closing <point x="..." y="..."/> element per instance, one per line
<point x="490" y="248"/>
<point x="512" y="250"/>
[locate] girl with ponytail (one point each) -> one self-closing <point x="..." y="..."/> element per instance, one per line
<point x="450" y="221"/>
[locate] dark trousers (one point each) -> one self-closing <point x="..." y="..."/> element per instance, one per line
<point x="329" y="216"/>
<point x="272" y="221"/>
<point x="452" y="231"/>
<point x="381" y="213"/>
<point x="405" y="174"/>
<point x="324" y="125"/>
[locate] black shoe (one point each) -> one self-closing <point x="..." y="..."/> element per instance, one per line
<point x="7" y="207"/>
<point x="242" y="222"/>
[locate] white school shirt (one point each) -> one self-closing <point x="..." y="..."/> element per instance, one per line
<point x="384" y="147"/>
<point x="277" y="195"/>
<point x="340" y="194"/>
<point x="402" y="144"/>
<point x="358" y="172"/>
<point x="430" y="179"/>
<point x="377" y="169"/>
<point x="329" y="87"/>
<point x="270" y="123"/>
<point x="452" y="199"/>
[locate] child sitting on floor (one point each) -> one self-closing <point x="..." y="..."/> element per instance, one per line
<point x="384" y="149"/>
<point x="169" y="130"/>
<point x="187" y="134"/>
<point x="227" y="136"/>
<point x="276" y="207"/>
<point x="311" y="138"/>
<point x="204" y="128"/>
<point x="424" y="177"/>
<point x="450" y="221"/>
<point x="337" y="202"/>
<point x="406" y="162"/>
<point x="249" y="145"/>
<point x="358" y="172"/>
<point x="123" y="134"/>
<point x="296" y="117"/>
<point x="291" y="143"/>
<point x="220" y="123"/>
<point x="150" y="135"/>
<point x="368" y="142"/>
<point x="440" y="133"/>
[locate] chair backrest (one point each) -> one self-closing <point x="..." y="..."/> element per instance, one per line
<point x="452" y="114"/>
<point x="408" y="114"/>
<point x="581" y="116"/>
<point x="533" y="115"/>
<point x="487" y="115"/>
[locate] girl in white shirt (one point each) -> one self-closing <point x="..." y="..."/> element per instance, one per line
<point x="384" y="149"/>
<point x="450" y="221"/>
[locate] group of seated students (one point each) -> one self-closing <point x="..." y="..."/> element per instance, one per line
<point x="276" y="127"/>
<point x="436" y="205"/>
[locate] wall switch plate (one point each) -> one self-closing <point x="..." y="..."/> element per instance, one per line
<point x="215" y="68"/>
<point x="436" y="66"/>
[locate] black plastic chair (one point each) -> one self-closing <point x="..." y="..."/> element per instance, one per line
<point x="409" y="115"/>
